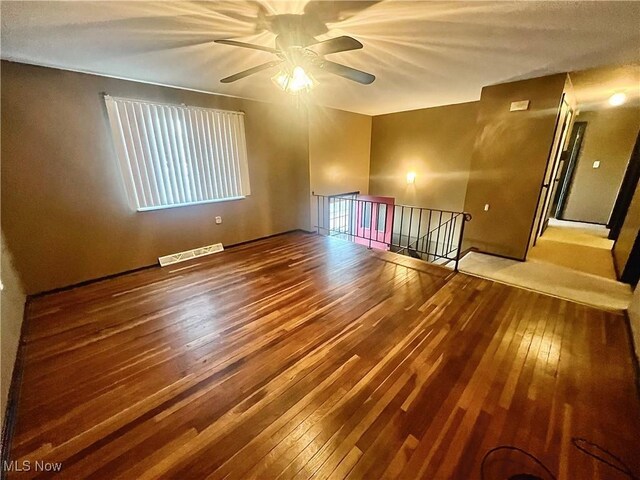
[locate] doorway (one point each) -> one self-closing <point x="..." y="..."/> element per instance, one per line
<point x="625" y="194"/>
<point x="567" y="169"/>
<point x="374" y="221"/>
<point x="630" y="270"/>
<point x="554" y="167"/>
<point x="580" y="243"/>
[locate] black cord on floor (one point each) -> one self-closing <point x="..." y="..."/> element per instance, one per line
<point x="585" y="446"/>
<point x="513" y="449"/>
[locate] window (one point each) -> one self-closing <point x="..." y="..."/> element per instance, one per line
<point x="174" y="155"/>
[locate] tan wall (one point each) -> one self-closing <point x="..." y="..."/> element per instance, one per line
<point x="435" y="143"/>
<point x="628" y="233"/>
<point x="64" y="208"/>
<point x="609" y="138"/>
<point x="339" y="151"/>
<point x="12" y="301"/>
<point x="339" y="147"/>
<point x="508" y="163"/>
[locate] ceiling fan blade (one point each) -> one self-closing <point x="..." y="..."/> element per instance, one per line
<point x="335" y="45"/>
<point x="250" y="71"/>
<point x="247" y="45"/>
<point x="347" y="72"/>
<point x="328" y="11"/>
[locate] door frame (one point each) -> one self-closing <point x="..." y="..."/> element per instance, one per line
<point x="576" y="139"/>
<point x="541" y="217"/>
<point x="625" y="194"/>
<point x="374" y="238"/>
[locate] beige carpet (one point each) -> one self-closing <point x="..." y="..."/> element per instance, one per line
<point x="571" y="260"/>
<point x="595" y="261"/>
<point x="578" y="246"/>
<point x="551" y="279"/>
<point x="578" y="233"/>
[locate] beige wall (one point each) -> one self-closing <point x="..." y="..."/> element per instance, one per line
<point x="628" y="233"/>
<point x="339" y="151"/>
<point x="12" y="300"/>
<point x="508" y="163"/>
<point x="64" y="208"/>
<point x="339" y="148"/>
<point x="435" y="143"/>
<point x="609" y="138"/>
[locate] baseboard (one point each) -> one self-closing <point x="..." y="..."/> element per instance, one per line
<point x="90" y="281"/>
<point x="581" y="221"/>
<point x="146" y="267"/>
<point x="239" y="244"/>
<point x="10" y="414"/>
<point x="467" y="251"/>
<point x="478" y="250"/>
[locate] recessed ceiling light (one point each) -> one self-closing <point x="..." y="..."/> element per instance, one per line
<point x="617" y="99"/>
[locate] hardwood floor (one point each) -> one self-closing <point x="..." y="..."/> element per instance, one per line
<point x="302" y="356"/>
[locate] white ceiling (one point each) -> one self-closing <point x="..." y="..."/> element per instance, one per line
<point x="423" y="53"/>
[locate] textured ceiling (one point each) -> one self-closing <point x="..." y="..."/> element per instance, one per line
<point x="423" y="53"/>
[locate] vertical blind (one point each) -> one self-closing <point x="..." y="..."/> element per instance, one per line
<point x="173" y="155"/>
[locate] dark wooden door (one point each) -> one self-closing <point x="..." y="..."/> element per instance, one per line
<point x="627" y="189"/>
<point x="631" y="272"/>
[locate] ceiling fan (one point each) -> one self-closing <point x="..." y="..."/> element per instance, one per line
<point x="298" y="52"/>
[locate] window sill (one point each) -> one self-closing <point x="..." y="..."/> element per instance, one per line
<point x="188" y="204"/>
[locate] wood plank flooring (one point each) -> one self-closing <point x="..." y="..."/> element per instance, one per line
<point x="302" y="356"/>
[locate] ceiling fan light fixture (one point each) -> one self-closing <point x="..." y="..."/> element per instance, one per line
<point x="295" y="80"/>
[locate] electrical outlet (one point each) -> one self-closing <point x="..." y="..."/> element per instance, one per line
<point x="218" y="220"/>
<point x="486" y="207"/>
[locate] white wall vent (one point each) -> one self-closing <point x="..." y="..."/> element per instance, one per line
<point x="189" y="254"/>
